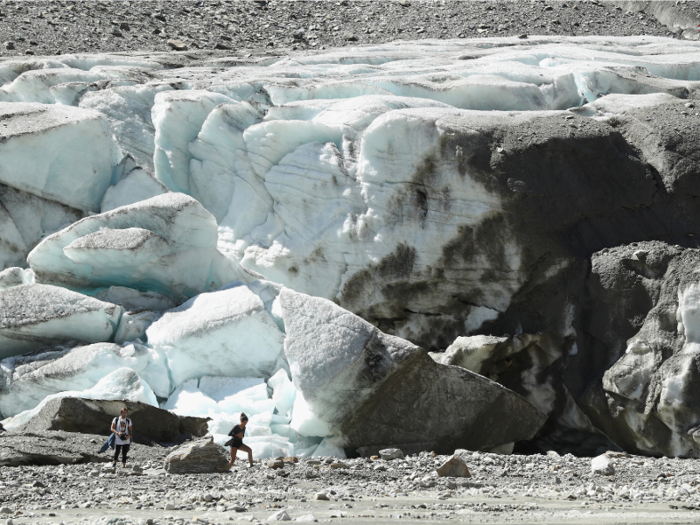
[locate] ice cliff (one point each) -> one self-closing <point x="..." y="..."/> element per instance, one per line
<point x="302" y="237"/>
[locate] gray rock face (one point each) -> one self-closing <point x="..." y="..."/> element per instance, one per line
<point x="198" y="457"/>
<point x="644" y="393"/>
<point x="377" y="390"/>
<point x="89" y="416"/>
<point x="49" y="448"/>
<point x="36" y="315"/>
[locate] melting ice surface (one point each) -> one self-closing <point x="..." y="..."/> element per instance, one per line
<point x="300" y="170"/>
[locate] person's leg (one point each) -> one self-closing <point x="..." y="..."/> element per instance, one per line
<point x="246" y="448"/>
<point x="125" y="451"/>
<point x="117" y="449"/>
<point x="234" y="450"/>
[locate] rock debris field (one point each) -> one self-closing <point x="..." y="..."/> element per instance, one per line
<point x="56" y="27"/>
<point x="538" y="488"/>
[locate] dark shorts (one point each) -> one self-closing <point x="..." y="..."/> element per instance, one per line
<point x="234" y="443"/>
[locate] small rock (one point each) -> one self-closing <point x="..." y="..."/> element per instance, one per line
<point x="125" y="26"/>
<point x="390" y="453"/>
<point x="321" y="496"/>
<point x="455" y="467"/>
<point x="404" y="3"/>
<point x="307" y="517"/>
<point x="177" y="45"/>
<point x="280" y="516"/>
<point x="6" y="510"/>
<point x="338" y="465"/>
<point x="170" y="506"/>
<point x="554" y="453"/>
<point x="221" y="46"/>
<point x="348" y="35"/>
<point x="601" y="465"/>
<point x="9" y="46"/>
<point x="522" y="36"/>
<point x="117" y="32"/>
<point x="275" y="463"/>
<point x="136" y="470"/>
<point x="29" y="52"/>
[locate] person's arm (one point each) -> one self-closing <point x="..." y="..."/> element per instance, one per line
<point x="114" y="422"/>
<point x="131" y="429"/>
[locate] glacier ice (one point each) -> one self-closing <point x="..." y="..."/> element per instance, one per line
<point x="78" y="153"/>
<point x="123" y="384"/>
<point x="27" y="379"/>
<point x="228" y="332"/>
<point x="137" y="185"/>
<point x="166" y="244"/>
<point x="376" y="177"/>
<point x="36" y="315"/>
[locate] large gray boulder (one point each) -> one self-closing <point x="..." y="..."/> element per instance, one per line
<point x="199" y="457"/>
<point x="94" y="416"/>
<point x="50" y="448"/>
<point x="36" y="315"/>
<point x="376" y="391"/>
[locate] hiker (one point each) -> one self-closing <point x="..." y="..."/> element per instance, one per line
<point x="236" y="441"/>
<point x="122" y="428"/>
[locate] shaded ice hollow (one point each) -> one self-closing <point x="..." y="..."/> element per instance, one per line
<point x="343" y="175"/>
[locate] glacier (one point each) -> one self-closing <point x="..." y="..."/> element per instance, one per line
<point x="245" y="238"/>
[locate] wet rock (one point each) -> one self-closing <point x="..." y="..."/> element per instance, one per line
<point x="198" y="457"/>
<point x="48" y="448"/>
<point x="177" y="45"/>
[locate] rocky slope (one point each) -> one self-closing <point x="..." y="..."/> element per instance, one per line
<point x="47" y="28"/>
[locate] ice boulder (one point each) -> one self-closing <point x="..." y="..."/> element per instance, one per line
<point x="36" y="315"/>
<point x="26" y="380"/>
<point x="15" y="276"/>
<point x="166" y="244"/>
<point x="375" y="390"/>
<point x="225" y="333"/>
<point x="76" y="157"/>
<point x="133" y="300"/>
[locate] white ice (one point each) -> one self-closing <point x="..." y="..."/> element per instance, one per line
<point x="166" y="244"/>
<point x="77" y="153"/>
<point x="36" y="315"/>
<point x="26" y="380"/>
<point x="122" y="384"/>
<point x="228" y="332"/>
<point x="137" y="185"/>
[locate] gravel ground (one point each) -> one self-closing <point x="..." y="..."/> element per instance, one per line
<point x="56" y="27"/>
<point x="535" y="488"/>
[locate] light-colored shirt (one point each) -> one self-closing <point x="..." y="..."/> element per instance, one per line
<point x="122" y="424"/>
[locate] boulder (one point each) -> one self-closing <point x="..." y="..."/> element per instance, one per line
<point x="36" y="315"/>
<point x="94" y="416"/>
<point x="454" y="467"/>
<point x="198" y="457"/>
<point x="390" y="453"/>
<point x="602" y="465"/>
<point x="50" y="448"/>
<point x="372" y="389"/>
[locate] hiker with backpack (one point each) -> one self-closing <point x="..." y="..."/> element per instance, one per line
<point x="123" y="430"/>
<point x="236" y="441"/>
